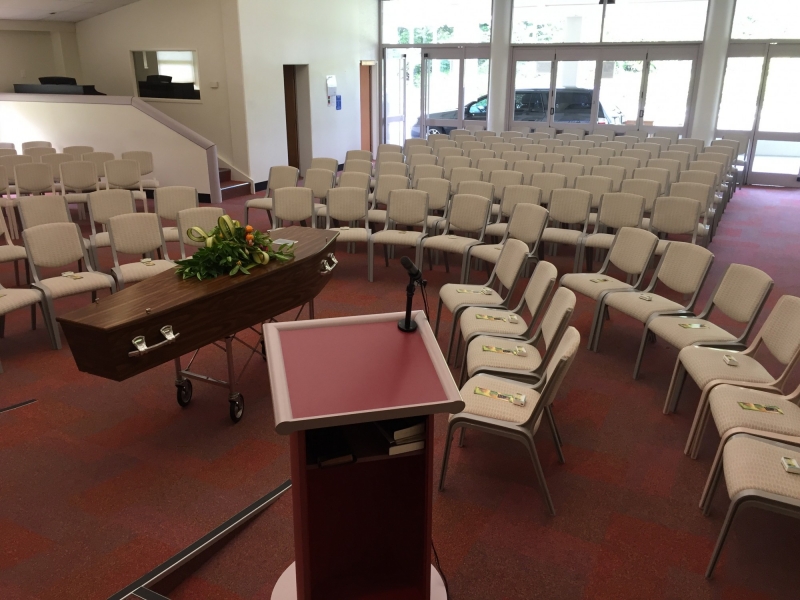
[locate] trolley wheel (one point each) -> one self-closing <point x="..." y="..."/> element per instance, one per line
<point x="237" y="409"/>
<point x="184" y="392"/>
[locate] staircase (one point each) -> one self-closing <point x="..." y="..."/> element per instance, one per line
<point x="230" y="188"/>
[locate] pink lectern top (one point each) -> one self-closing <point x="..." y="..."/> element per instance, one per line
<point x="350" y="370"/>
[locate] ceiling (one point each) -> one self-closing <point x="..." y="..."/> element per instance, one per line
<point x="65" y="10"/>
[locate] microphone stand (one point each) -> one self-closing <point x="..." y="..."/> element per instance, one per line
<point x="407" y="324"/>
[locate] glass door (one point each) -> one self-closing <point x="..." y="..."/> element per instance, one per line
<point x="401" y="94"/>
<point x="621" y="87"/>
<point x="669" y="78"/>
<point x="533" y="85"/>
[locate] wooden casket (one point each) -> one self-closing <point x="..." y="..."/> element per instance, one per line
<point x="199" y="312"/>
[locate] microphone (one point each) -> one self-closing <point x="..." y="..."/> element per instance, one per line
<point x="413" y="271"/>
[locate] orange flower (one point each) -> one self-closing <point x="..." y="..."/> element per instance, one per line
<point x="249" y="229"/>
<point x="249" y="237"/>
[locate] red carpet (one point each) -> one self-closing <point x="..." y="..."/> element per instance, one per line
<point x="100" y="481"/>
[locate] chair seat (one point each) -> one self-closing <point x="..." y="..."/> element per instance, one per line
<point x="495" y="210"/>
<point x="450" y="243"/>
<point x="631" y="304"/>
<point x="75" y="198"/>
<point x="321" y="210"/>
<point x="11" y="252"/>
<point x="9" y="202"/>
<point x="377" y="215"/>
<point x="263" y="203"/>
<point x="13" y="299"/>
<point x="488" y="252"/>
<point x="351" y="234"/>
<point x="471" y="324"/>
<point x="60" y="287"/>
<point x="497" y="229"/>
<point x="171" y="234"/>
<point x="750" y="464"/>
<point x="434" y="221"/>
<point x="599" y="240"/>
<point x="724" y="403"/>
<point x="661" y="247"/>
<point x="583" y="284"/>
<point x="102" y="239"/>
<point x="453" y="299"/>
<point x="397" y="237"/>
<point x="702" y="230"/>
<point x="669" y="329"/>
<point x="492" y="408"/>
<point x="150" y="184"/>
<point x="556" y="235"/>
<point x="139" y="195"/>
<point x="139" y="271"/>
<point x="705" y="365"/>
<point x="477" y="358"/>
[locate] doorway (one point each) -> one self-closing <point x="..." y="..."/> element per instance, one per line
<point x="297" y="98"/>
<point x="290" y="97"/>
<point x="366" y="104"/>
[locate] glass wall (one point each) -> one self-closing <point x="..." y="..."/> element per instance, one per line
<point x="556" y="21"/>
<point x="438" y="22"/>
<point x="766" y="20"/>
<point x="737" y="109"/>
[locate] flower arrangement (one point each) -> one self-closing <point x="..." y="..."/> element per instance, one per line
<point x="230" y="248"/>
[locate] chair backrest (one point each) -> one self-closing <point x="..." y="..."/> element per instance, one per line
<point x="697" y="191"/>
<point x="646" y="188"/>
<point x="570" y="207"/>
<point x="55" y="161"/>
<point x="617" y="147"/>
<point x="358" y="155"/>
<point x="459" y="174"/>
<point x="12" y="160"/>
<point x="519" y="142"/>
<point x="455" y="162"/>
<point x="539" y="287"/>
<point x="629" y="140"/>
<point x="538" y="136"/>
<point x="717" y="157"/>
<point x="109" y="203"/>
<point x="518" y="194"/>
<point x="527" y="222"/>
<point x="389" y="148"/>
<point x="500" y="179"/>
<point x="136" y="233"/>
<point x="512" y="156"/>
<point x="78" y="151"/>
<point x="509" y="265"/>
<point x="570" y="170"/>
<point x="354" y="179"/>
<point x="79" y="175"/>
<point x="479" y="155"/>
<point x="528" y="168"/>
<point x="595" y="185"/>
<point x="475" y="188"/>
<point x="438" y="144"/>
<point x="742" y="292"/>
<point x="697" y="143"/>
<point x="684" y="267"/>
<point x="410" y="151"/>
<point x="730" y="153"/>
<point x="708" y="165"/>
<point x="499" y="147"/>
<point x="619" y="209"/>
<point x="534" y="149"/>
<point x="632" y="250"/>
<point x="629" y="163"/>
<point x="294" y="204"/>
<point x="426" y="171"/>
<point x="490" y="139"/>
<point x="42" y="210"/>
<point x="204" y="217"/>
<point x="603" y="153"/>
<point x="557" y="317"/>
<point x="388" y="183"/>
<point x="144" y="158"/>
<point x="606" y="130"/>
<point x="582" y="145"/>
<point x="319" y="181"/>
<point x="7" y="146"/>
<point x="418" y="159"/>
<point x="663" y="142"/>
<point x="614" y="173"/>
<point x="781" y="330"/>
<point x="386" y="156"/>
<point x="282" y="176"/>
<point x="53" y="245"/>
<point x="28" y="145"/>
<point x="468" y="146"/>
<point x="567" y="151"/>
<point x="433" y="137"/>
<point x="689" y="149"/>
<point x="123" y="174"/>
<point x="7" y="152"/>
<point x="550" y="144"/>
<point x="654" y="174"/>
<point x="438" y="191"/>
<point x="597" y="138"/>
<point x="556" y="370"/>
<point x="444" y="153"/>
<point x="355" y="165"/>
<point x="705" y="177"/>
<point x="587" y="161"/>
<point x="568" y="137"/>
<point x="408" y="207"/>
<point x="37" y="153"/>
<point x="671" y="165"/>
<point x="675" y="215"/>
<point x="3" y="180"/>
<point x="547" y="182"/>
<point x="391" y="168"/>
<point x="331" y="164"/>
<point x="729" y="143"/>
<point x="653" y="148"/>
<point x="482" y="134"/>
<point x="460" y="139"/>
<point x="99" y="159"/>
<point x="468" y="213"/>
<point x="549" y="159"/>
<point x="683" y="158"/>
<point x="509" y="135"/>
<point x="170" y="200"/>
<point x="34" y="178"/>
<point x="347" y="204"/>
<point x="456" y="132"/>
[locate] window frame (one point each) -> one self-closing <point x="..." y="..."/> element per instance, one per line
<point x="135" y="82"/>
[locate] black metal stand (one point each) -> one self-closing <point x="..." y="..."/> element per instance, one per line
<point x="407" y="324"/>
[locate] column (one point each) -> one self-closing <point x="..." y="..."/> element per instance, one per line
<point x="500" y="58"/>
<point x="712" y="69"/>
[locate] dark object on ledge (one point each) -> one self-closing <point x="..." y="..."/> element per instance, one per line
<point x="76" y="90"/>
<point x="58" y="80"/>
<point x="161" y="86"/>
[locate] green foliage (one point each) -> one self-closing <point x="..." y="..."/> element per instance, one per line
<point x="444" y="33"/>
<point x="228" y="250"/>
<point x="423" y="35"/>
<point x="402" y="35"/>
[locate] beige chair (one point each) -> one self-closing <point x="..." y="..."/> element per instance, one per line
<point x="549" y="159"/>
<point x="567" y="152"/>
<point x="169" y="201"/>
<point x="663" y="142"/>
<point x="412" y="142"/>
<point x="629" y="163"/>
<point x="438" y="144"/>
<point x="146" y="167"/>
<point x="459" y="297"/>
<point x="596" y="186"/>
<point x="615" y="174"/>
<point x="37" y="153"/>
<point x="57" y="245"/>
<point x="293" y="205"/>
<point x="364" y="155"/>
<point x="616" y="210"/>
<point x="597" y="138"/>
<point x="519" y="142"/>
<point x="689" y="149"/>
<point x="654" y="174"/>
<point x="77" y="152"/>
<point x="534" y="149"/>
<point x="405" y="208"/>
<point x="548" y="183"/>
<point x="528" y="168"/>
<point x="482" y="134"/>
<point x="454" y="133"/>
<point x="550" y="144"/>
<point x="569" y="170"/>
<point x="7" y="152"/>
<point x="353" y="179"/>
<point x="102" y="206"/>
<point x="604" y="154"/>
<point x="510" y="134"/>
<point x="55" y="161"/>
<point x="696" y="142"/>
<point x="8" y="204"/>
<point x="455" y="162"/>
<point x="7" y="146"/>
<point x="438" y="191"/>
<point x="647" y="189"/>
<point x="418" y="160"/>
<point x="628" y="140"/>
<point x="447" y="152"/>
<point x="682" y="269"/>
<point x="499" y="147"/>
<point x="508" y="420"/>
<point x="351" y="165"/>
<point x="501" y="179"/>
<point x="99" y="159"/>
<point x="412" y="151"/>
<point x="672" y="166"/>
<point x="10" y="162"/>
<point x="780" y="335"/>
<point x="653" y="148"/>
<point x="329" y="164"/>
<point x="389" y="168"/>
<point x="78" y="179"/>
<point x="426" y="172"/>
<point x="479" y="155"/>
<point x="617" y="147"/>
<point x="703" y="194"/>
<point x="606" y="130"/>
<point x="205" y="217"/>
<point x="475" y="188"/>
<point x="739" y="296"/>
<point x="348" y="206"/>
<point x="683" y="158"/>
<point x="469" y="142"/>
<point x="571" y="208"/>
<point x="34" y="179"/>
<point x="630" y="253"/>
<point x="388" y="149"/>
<point x="319" y="181"/>
<point x="125" y="175"/>
<point x="460" y="174"/>
<point x="513" y="156"/>
<point x="285" y="176"/>
<point x="40" y="210"/>
<point x="386" y="185"/>
<point x="641" y="155"/>
<point x="434" y="137"/>
<point x="582" y="145"/>
<point x="137" y="234"/>
<point x="14" y="299"/>
<point x="674" y="216"/>
<point x="9" y="252"/>
<point x="28" y="145"/>
<point x="538" y="136"/>
<point x="580" y="132"/>
<point x="567" y="138"/>
<point x="491" y="139"/>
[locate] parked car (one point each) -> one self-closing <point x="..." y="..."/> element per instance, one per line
<point x="573" y="105"/>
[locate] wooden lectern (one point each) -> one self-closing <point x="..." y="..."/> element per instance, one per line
<point x="362" y="529"/>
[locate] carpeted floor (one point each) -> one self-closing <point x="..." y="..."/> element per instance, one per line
<point x="101" y="481"/>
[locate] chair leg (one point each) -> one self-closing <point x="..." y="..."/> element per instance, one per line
<point x="386" y="254"/>
<point x="726" y="526"/>
<point x="370" y="250"/>
<point x="713" y="480"/>
<point x="540" y="474"/>
<point x="446" y="262"/>
<point x="438" y="318"/>
<point x="50" y="314"/>
<point x="699" y="424"/>
<point x="452" y="336"/>
<point x="16" y="272"/>
<point x="445" y="459"/>
<point x="637" y="367"/>
<point x="556" y="436"/>
<point x="675" y="387"/>
<point x="464" y="367"/>
<point x="3" y="325"/>
<point x="311" y="309"/>
<point x="33" y="318"/>
<point x="462" y="436"/>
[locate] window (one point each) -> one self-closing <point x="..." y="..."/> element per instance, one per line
<point x="655" y="21"/>
<point x="443" y="21"/>
<point x="766" y="20"/>
<point x="737" y="109"/>
<point x="167" y="74"/>
<point x="556" y="21"/>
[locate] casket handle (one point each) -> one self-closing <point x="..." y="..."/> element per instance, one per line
<point x="142" y="347"/>
<point x="326" y="268"/>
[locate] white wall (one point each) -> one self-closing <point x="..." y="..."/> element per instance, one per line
<point x="106" y="43"/>
<point x="33" y="49"/>
<point x="331" y="38"/>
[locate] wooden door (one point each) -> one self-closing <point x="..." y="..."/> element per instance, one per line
<point x="366" y="107"/>
<point x="290" y="92"/>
